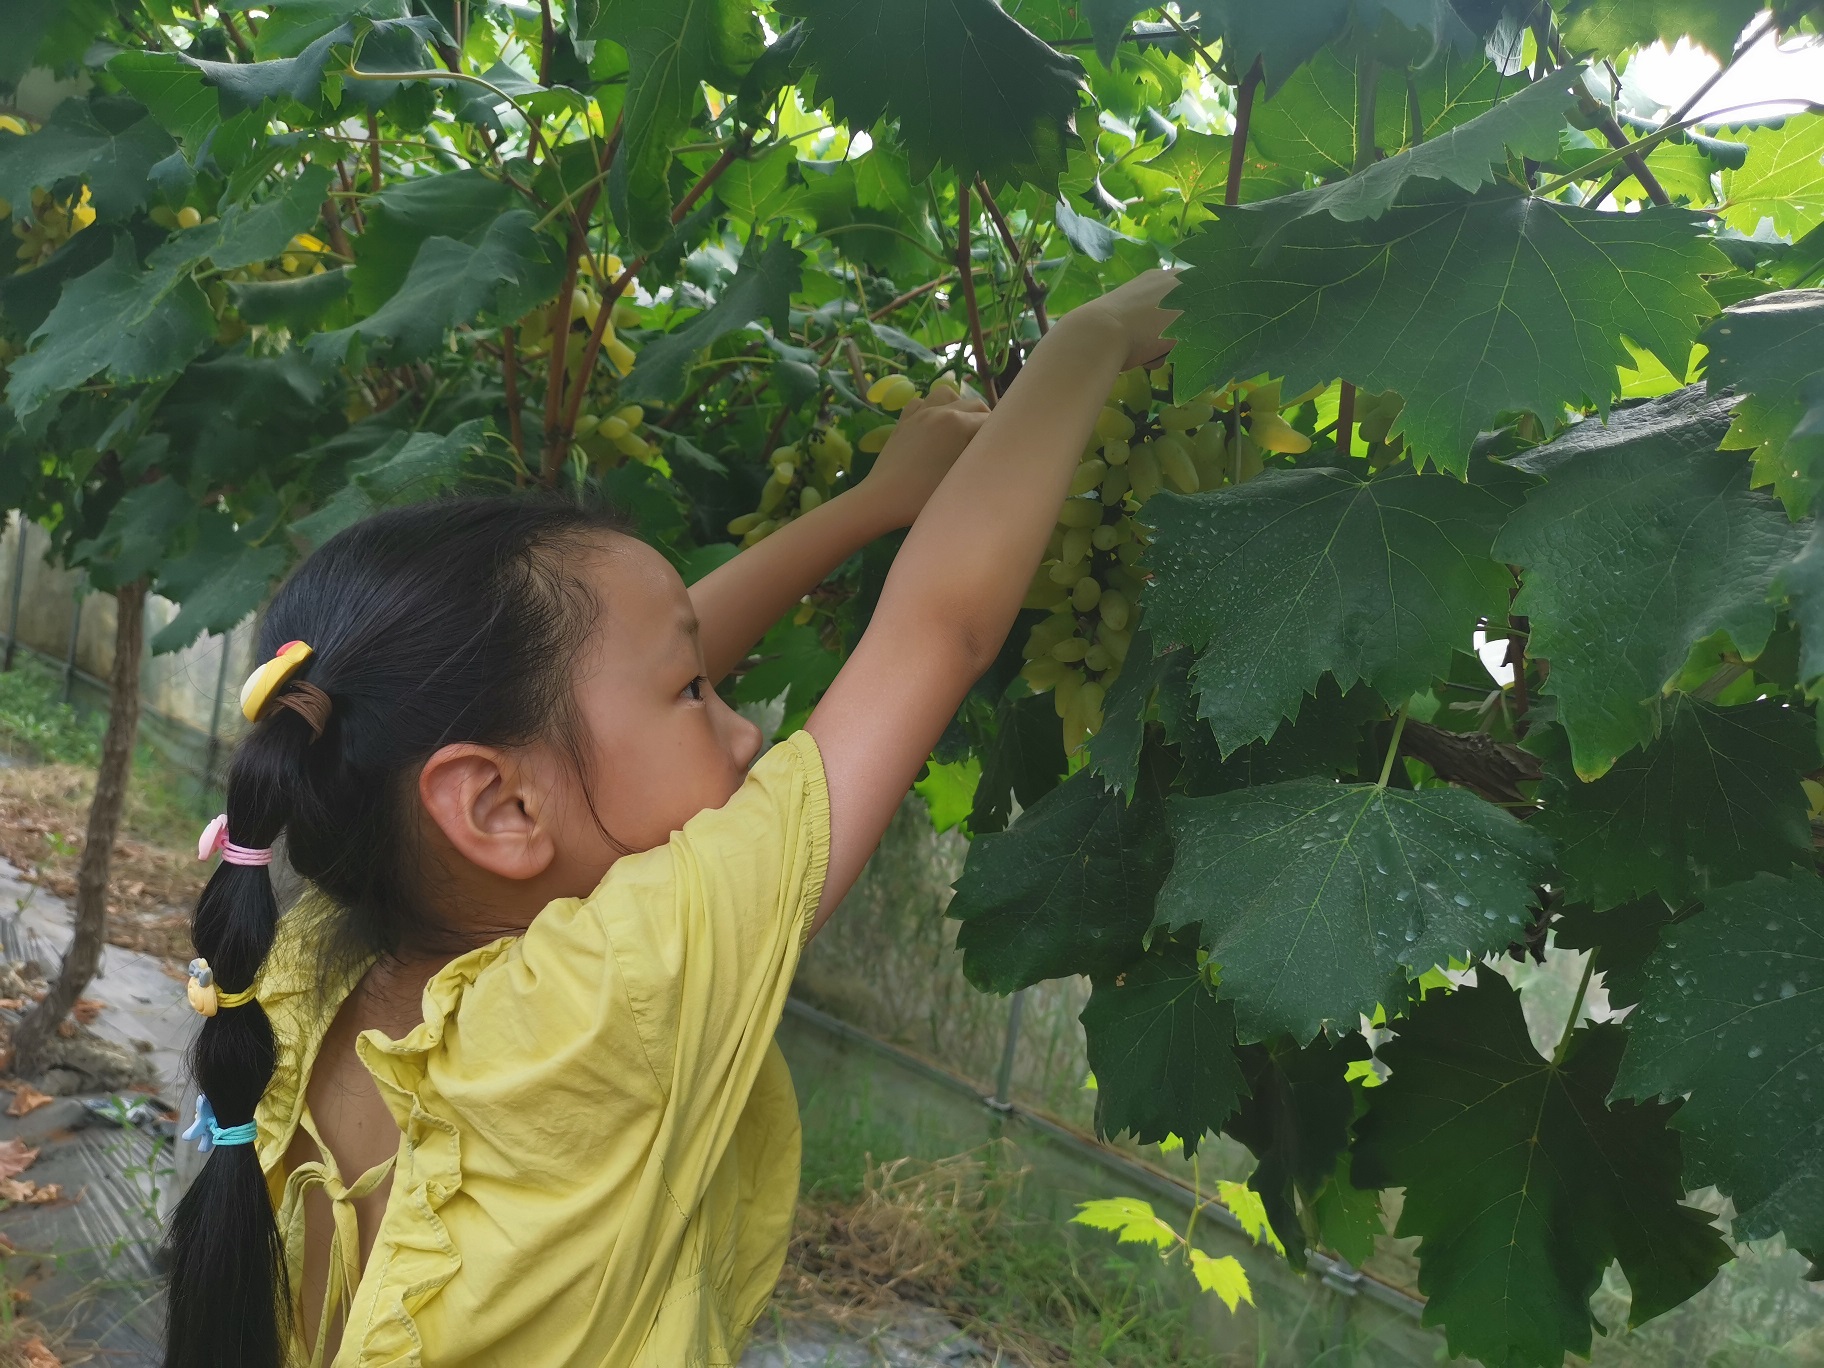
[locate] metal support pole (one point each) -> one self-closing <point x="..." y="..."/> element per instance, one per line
<point x="69" y="664"/>
<point x="1001" y="1101"/>
<point x="12" y="629"/>
<point x="215" y="715"/>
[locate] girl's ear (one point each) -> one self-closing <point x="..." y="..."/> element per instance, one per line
<point x="485" y="801"/>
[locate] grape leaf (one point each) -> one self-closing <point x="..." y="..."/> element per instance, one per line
<point x="1528" y="123"/>
<point x="1162" y="1047"/>
<point x="172" y="90"/>
<point x="407" y="467"/>
<point x="1769" y="349"/>
<point x="137" y="534"/>
<point x="672" y="47"/>
<point x="1732" y="1015"/>
<point x="1643" y="540"/>
<point x="1783" y="178"/>
<point x="1067" y="889"/>
<point x="1281" y="38"/>
<point x="769" y="274"/>
<point x="109" y="144"/>
<point x="1131" y="1220"/>
<point x="1610" y="27"/>
<point x="217" y="582"/>
<point x="1021" y="762"/>
<point x="1222" y="1275"/>
<point x="1301" y="572"/>
<point x="1295" y="1121"/>
<point x="449" y="284"/>
<point x="1472" y="306"/>
<point x="970" y="87"/>
<point x="1523" y="1183"/>
<point x="403" y="217"/>
<point x="136" y="325"/>
<point x="1714" y="799"/>
<point x="1622" y="937"/>
<point x="299" y="304"/>
<point x="1320" y="899"/>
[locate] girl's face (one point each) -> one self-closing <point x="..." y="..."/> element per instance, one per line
<point x="660" y="744"/>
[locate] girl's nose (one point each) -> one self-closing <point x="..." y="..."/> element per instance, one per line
<point x="744" y="738"/>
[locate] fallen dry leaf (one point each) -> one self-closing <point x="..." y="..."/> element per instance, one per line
<point x="26" y="1098"/>
<point x="33" y="1353"/>
<point x="15" y="1158"/>
<point x="87" y="1009"/>
<point x="27" y="1193"/>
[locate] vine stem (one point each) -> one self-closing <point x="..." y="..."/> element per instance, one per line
<point x="1238" y="140"/>
<point x="373" y="151"/>
<point x="1570" y="1022"/>
<point x="965" y="269"/>
<point x="1393" y="748"/>
<point x="1367" y="76"/>
<point x="1345" y="419"/>
<point x="509" y="348"/>
<point x="1035" y="296"/>
<point x="1631" y="152"/>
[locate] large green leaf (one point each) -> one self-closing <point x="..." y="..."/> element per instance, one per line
<point x="1802" y="581"/>
<point x="672" y="47"/>
<point x="311" y="78"/>
<point x="1770" y="350"/>
<point x="1622" y="938"/>
<point x="1299" y="573"/>
<point x="299" y="304"/>
<point x="1523" y="1182"/>
<point x="1067" y="889"/>
<point x="1783" y="179"/>
<point x="136" y="325"/>
<point x="406" y="468"/>
<point x="1732" y="1017"/>
<point x="1022" y="761"/>
<point x="1526" y="123"/>
<point x="450" y="283"/>
<point x="1320" y="900"/>
<point x="217" y="582"/>
<point x="1295" y="1121"/>
<point x="107" y="144"/>
<point x="769" y="275"/>
<point x="253" y="233"/>
<point x="400" y="219"/>
<point x="137" y="535"/>
<point x="1642" y="541"/>
<point x="1610" y="27"/>
<point x="1471" y="306"/>
<point x="1162" y="1047"/>
<point x="969" y="87"/>
<point x="173" y="90"/>
<point x="1715" y="799"/>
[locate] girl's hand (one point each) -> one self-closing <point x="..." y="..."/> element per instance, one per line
<point x="1133" y="313"/>
<point x="932" y="433"/>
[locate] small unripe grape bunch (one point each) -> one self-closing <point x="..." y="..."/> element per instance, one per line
<point x="1092" y="575"/>
<point x="808" y="472"/>
<point x="605" y="438"/>
<point x="50" y="223"/>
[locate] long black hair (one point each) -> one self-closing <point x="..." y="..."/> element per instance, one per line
<point x="444" y="622"/>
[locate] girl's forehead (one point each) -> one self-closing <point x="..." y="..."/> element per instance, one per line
<point x="635" y="585"/>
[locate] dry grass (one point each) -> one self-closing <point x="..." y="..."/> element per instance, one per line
<point x="43" y="814"/>
<point x="907" y="1238"/>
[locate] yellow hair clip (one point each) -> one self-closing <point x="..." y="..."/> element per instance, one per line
<point x="266" y="681"/>
<point x="205" y="997"/>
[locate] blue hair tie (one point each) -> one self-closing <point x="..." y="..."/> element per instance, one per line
<point x="208" y="1134"/>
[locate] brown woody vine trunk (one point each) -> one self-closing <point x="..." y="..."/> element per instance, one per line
<point x="83" y="957"/>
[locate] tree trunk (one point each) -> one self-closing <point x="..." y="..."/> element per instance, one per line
<point x="83" y="957"/>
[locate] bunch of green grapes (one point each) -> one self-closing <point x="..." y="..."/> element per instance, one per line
<point x="603" y="438"/>
<point x="1092" y="575"/>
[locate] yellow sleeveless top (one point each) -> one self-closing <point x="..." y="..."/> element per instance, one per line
<point x="599" y="1141"/>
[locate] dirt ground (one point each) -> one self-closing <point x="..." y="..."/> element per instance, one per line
<point x="43" y="813"/>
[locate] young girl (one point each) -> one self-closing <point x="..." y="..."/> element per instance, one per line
<point x="502" y="1089"/>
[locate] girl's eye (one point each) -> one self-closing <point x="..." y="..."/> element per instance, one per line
<point x="694" y="690"/>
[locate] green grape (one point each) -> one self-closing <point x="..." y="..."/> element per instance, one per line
<point x="1089" y="475"/>
<point x="1115" y="485"/>
<point x="1143" y="470"/>
<point x="1115" y="451"/>
<point x="741" y="526"/>
<point x="1115" y="608"/>
<point x="1086" y="593"/>
<point x="1175" y="464"/>
<point x="808" y="498"/>
<point x="1114" y="423"/>
<point x="1184" y="417"/>
<point x="1080" y="513"/>
<point x="1078" y="542"/>
<point x="1070" y="651"/>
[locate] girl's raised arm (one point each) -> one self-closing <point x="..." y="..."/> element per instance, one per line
<point x="960" y="578"/>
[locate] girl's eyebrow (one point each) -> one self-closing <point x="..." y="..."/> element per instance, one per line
<point x="689" y="625"/>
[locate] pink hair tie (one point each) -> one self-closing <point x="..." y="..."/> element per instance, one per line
<point x="215" y="837"/>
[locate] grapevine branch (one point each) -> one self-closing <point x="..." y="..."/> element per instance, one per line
<point x="1677" y="116"/>
<point x="1570" y="1022"/>
<point x="1393" y="748"/>
<point x="965" y="267"/>
<point x="1345" y="418"/>
<point x="557" y="439"/>
<point x="1035" y="294"/>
